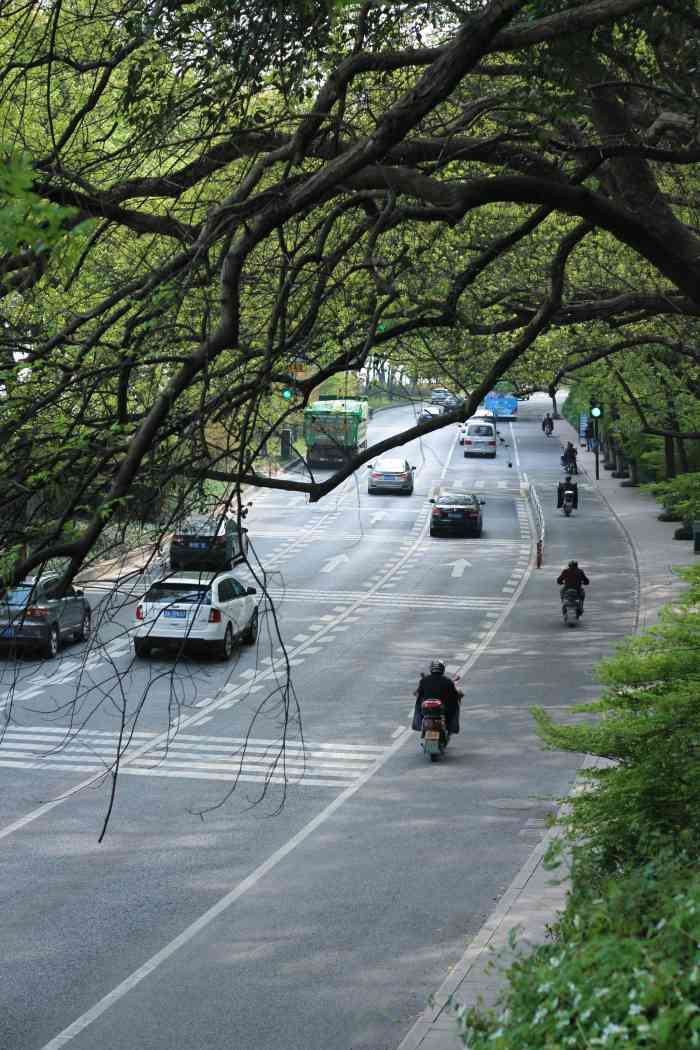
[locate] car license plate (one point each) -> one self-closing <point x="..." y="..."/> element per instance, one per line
<point x="198" y="546"/>
<point x="455" y="514"/>
<point x="432" y="734"/>
<point x="175" y="614"/>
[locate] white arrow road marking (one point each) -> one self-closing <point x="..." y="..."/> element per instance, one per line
<point x="458" y="567"/>
<point x="377" y="516"/>
<point x="333" y="563"/>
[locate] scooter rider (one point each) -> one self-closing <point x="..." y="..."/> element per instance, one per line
<point x="562" y="487"/>
<point x="569" y="458"/>
<point x="548" y="424"/>
<point x="438" y="686"/>
<point x="573" y="577"/>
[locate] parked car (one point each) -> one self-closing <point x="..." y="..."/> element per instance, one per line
<point x="390" y="474"/>
<point x="207" y="543"/>
<point x="438" y="395"/>
<point x="479" y="438"/>
<point x="456" y="512"/>
<point x="196" y="609"/>
<point x="33" y="616"/>
<point x="451" y="402"/>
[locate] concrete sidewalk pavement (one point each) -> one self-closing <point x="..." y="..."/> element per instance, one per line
<point x="535" y="896"/>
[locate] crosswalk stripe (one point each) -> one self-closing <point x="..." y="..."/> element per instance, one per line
<point x="193" y="756"/>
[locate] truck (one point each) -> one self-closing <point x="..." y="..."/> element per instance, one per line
<point x="335" y="430"/>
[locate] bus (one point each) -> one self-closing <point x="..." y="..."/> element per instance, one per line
<point x="502" y="402"/>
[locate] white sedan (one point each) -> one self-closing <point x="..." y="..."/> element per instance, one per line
<point x="198" y="608"/>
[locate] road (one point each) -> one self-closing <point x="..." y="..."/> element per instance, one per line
<point x="250" y="897"/>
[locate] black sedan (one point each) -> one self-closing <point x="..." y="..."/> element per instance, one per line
<point x="208" y="544"/>
<point x="456" y="512"/>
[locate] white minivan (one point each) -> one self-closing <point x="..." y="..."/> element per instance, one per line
<point x="479" y="438"/>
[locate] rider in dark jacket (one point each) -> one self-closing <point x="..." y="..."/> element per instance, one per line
<point x="573" y="577"/>
<point x="437" y="686"/>
<point x="570" y="458"/>
<point x="563" y="486"/>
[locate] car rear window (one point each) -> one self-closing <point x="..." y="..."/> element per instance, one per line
<point x="454" y="499"/>
<point x="391" y="465"/>
<point x="188" y="593"/>
<point x="18" y="596"/>
<point x="480" y="430"/>
<point x="199" y="527"/>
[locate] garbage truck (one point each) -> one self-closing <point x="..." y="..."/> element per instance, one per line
<point x="335" y="430"/>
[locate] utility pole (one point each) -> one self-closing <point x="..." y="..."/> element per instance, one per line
<point x="595" y="413"/>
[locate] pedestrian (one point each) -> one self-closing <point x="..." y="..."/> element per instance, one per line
<point x="590" y="436"/>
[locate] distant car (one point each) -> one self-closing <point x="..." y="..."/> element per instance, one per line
<point x="479" y="438"/>
<point x="208" y="543"/>
<point x="390" y="474"/>
<point x="438" y="395"/>
<point x="33" y="617"/>
<point x="451" y="402"/>
<point x="456" y="512"/>
<point x="196" y="610"/>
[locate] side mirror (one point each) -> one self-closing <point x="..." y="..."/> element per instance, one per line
<point x="251" y="590"/>
<point x="431" y="501"/>
<point x="414" y="468"/>
<point x="482" y="501"/>
<point x="370" y="466"/>
<point x="79" y="594"/>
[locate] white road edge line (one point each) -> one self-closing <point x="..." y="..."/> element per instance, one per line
<point x="135" y="978"/>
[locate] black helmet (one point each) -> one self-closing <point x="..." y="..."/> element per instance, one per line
<point x="573" y="565"/>
<point x="437" y="667"/>
<point x="568" y="477"/>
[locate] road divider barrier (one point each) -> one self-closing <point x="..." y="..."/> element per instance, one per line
<point x="530" y="492"/>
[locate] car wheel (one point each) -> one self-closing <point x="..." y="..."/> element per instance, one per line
<point x="409" y="492"/>
<point x="83" y="632"/>
<point x="433" y="532"/>
<point x="251" y="634"/>
<point x="51" y="645"/>
<point x="226" y="646"/>
<point x="466" y="455"/>
<point x="479" y="531"/>
<point x="174" y="565"/>
<point x="142" y="647"/>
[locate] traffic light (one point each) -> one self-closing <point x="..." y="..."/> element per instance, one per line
<point x="596" y="410"/>
<point x="287" y="393"/>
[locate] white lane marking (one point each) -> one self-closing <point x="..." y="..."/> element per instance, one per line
<point x="458" y="567"/>
<point x="332" y="564"/>
<point x="222" y="905"/>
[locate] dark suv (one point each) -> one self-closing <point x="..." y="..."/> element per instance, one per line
<point x="209" y="544"/>
<point x="32" y="617"/>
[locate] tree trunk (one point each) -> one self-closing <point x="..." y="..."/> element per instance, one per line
<point x="682" y="456"/>
<point x="633" y="481"/>
<point x="669" y="453"/>
<point x="555" y="411"/>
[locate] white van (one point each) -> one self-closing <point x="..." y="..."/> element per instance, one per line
<point x="479" y="438"/>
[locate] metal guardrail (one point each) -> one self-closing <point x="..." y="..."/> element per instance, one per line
<point x="531" y="492"/>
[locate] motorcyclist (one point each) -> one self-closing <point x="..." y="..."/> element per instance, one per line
<point x="573" y="577"/>
<point x="562" y="487"/>
<point x="569" y="458"/>
<point x="438" y="686"/>
<point x="548" y="424"/>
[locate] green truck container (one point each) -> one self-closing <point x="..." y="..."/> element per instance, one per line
<point x="335" y="430"/>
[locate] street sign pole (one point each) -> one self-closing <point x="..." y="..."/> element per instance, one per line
<point x="597" y="455"/>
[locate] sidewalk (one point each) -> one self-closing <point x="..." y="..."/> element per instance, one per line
<point x="532" y="900"/>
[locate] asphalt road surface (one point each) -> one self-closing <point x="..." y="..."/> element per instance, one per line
<point x="256" y="896"/>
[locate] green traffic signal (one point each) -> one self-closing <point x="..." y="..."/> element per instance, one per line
<point x="287" y="393"/>
<point x="595" y="411"/>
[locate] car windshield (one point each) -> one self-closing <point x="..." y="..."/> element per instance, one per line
<point x="455" y="499"/>
<point x="188" y="593"/>
<point x="18" y="596"/>
<point x="391" y="466"/>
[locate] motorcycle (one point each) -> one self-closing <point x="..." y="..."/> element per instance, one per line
<point x="548" y="428"/>
<point x="434" y="736"/>
<point x="571" y="606"/>
<point x="567" y="503"/>
<point x="569" y="465"/>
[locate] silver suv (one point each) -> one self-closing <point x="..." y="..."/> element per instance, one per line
<point x="32" y="616"/>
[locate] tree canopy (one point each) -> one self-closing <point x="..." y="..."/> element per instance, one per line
<point x="204" y="202"/>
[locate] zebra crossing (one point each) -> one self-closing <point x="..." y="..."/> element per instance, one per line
<point x="188" y="756"/>
<point x="396" y="600"/>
